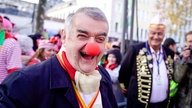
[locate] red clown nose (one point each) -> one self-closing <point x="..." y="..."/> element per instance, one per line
<point x="92" y="49"/>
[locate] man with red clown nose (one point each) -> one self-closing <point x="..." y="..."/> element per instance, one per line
<point x="72" y="78"/>
<point x="147" y="69"/>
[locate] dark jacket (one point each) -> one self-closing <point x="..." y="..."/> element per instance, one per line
<point x="47" y="85"/>
<point x="132" y="80"/>
<point x="183" y="75"/>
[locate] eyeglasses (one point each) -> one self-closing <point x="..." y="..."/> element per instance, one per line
<point x="154" y="33"/>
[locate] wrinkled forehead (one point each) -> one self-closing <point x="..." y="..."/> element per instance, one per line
<point x="91" y="16"/>
<point x="157" y="27"/>
<point x="85" y="22"/>
<point x="155" y="30"/>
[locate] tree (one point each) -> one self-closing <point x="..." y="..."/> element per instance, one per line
<point x="40" y="16"/>
<point x="176" y="13"/>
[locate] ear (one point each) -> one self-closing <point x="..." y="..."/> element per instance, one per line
<point x="63" y="35"/>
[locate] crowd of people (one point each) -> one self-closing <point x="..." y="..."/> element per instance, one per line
<point x="77" y="68"/>
<point x="17" y="50"/>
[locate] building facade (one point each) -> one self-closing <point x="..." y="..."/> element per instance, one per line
<point x="113" y="10"/>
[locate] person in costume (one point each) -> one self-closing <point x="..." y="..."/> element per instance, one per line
<point x="10" y="51"/>
<point x="147" y="69"/>
<point x="2" y="32"/>
<point x="45" y="51"/>
<point x="113" y="58"/>
<point x="72" y="78"/>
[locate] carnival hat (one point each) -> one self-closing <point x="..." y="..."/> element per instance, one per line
<point x="157" y="23"/>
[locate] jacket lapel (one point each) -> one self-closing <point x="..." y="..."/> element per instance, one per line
<point x="71" y="97"/>
<point x="104" y="90"/>
<point x="150" y="65"/>
<point x="59" y="79"/>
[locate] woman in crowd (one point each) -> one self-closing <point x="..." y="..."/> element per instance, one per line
<point x="45" y="50"/>
<point x="112" y="65"/>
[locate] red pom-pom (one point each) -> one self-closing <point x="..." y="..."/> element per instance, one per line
<point x="92" y="49"/>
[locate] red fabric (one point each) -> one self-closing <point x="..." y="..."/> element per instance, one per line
<point x="1" y="19"/>
<point x="7" y="35"/>
<point x="71" y="71"/>
<point x="66" y="65"/>
<point x="33" y="61"/>
<point x="54" y="39"/>
<point x="111" y="67"/>
<point x="12" y="70"/>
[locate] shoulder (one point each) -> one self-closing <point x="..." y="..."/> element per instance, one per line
<point x="137" y="46"/>
<point x="35" y="73"/>
<point x="140" y="45"/>
<point x="10" y="42"/>
<point x="33" y="61"/>
<point x="134" y="48"/>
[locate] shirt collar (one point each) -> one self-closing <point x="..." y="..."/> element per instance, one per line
<point x="159" y="51"/>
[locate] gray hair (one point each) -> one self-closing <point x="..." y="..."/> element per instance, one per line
<point x="92" y="12"/>
<point x="26" y="43"/>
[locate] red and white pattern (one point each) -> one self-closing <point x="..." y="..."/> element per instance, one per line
<point x="10" y="57"/>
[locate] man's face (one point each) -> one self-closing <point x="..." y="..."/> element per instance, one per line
<point x="155" y="38"/>
<point x="84" y="30"/>
<point x="189" y="40"/>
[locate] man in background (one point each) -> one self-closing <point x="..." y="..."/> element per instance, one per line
<point x="183" y="74"/>
<point x="146" y="70"/>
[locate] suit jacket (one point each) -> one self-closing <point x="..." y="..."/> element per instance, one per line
<point x="134" y="81"/>
<point x="47" y="85"/>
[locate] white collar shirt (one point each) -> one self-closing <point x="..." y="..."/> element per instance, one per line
<point x="159" y="77"/>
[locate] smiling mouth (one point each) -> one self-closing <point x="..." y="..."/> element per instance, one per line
<point x="84" y="55"/>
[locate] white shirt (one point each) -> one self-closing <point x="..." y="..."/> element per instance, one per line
<point x="159" y="80"/>
<point x="88" y="97"/>
<point x="114" y="73"/>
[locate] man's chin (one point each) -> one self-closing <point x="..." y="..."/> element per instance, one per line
<point x="87" y="70"/>
<point x="155" y="45"/>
